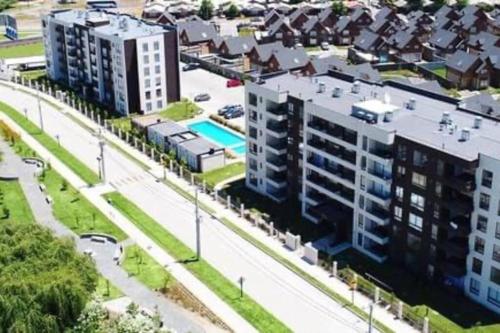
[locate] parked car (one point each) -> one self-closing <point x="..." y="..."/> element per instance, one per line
<point x="234" y="113"/>
<point x="202" y="97"/>
<point x="325" y="46"/>
<point x="191" y="66"/>
<point x="227" y="108"/>
<point x="298" y="45"/>
<point x="233" y="83"/>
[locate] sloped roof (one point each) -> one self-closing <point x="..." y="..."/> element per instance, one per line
<point x="198" y="31"/>
<point x="310" y="24"/>
<point x="383" y="13"/>
<point x="366" y="40"/>
<point x="324" y="14"/>
<point x="240" y="44"/>
<point x="266" y="50"/>
<point x="482" y="103"/>
<point x="277" y="25"/>
<point x="462" y="61"/>
<point x="291" y="58"/>
<point x="400" y="39"/>
<point x="272" y="13"/>
<point x="358" y="11"/>
<point x="442" y="38"/>
<point x="297" y="13"/>
<point x="342" y="23"/>
<point x="483" y="39"/>
<point x="322" y="65"/>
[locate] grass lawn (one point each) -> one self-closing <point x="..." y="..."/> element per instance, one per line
<point x="440" y="72"/>
<point x="106" y="290"/>
<point x="452" y="313"/>
<point x="139" y="264"/>
<point x="75" y="211"/>
<point x="33" y="74"/>
<point x="87" y="175"/>
<point x="182" y="110"/>
<point x="124" y="123"/>
<point x="28" y="50"/>
<point x="312" y="48"/>
<point x="243" y="32"/>
<point x="12" y="197"/>
<point x="216" y="176"/>
<point x="400" y="73"/>
<point x="256" y="315"/>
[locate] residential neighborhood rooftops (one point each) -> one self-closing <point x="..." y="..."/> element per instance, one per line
<point x="421" y="123"/>
<point x="442" y="38"/>
<point x="265" y="51"/>
<point x="291" y="58"/>
<point x="199" y="145"/>
<point x="366" y="40"/>
<point x="239" y="45"/>
<point x="482" y="103"/>
<point x="197" y="31"/>
<point x="462" y="61"/>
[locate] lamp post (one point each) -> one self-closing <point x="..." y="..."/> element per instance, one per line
<point x="241" y="280"/>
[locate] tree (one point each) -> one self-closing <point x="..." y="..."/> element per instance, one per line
<point x="415" y="4"/>
<point x="462" y="3"/>
<point x="206" y="9"/>
<point x="338" y="7"/>
<point x="437" y="4"/>
<point x="232" y="11"/>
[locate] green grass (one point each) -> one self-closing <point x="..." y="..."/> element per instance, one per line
<point x="440" y="72"/>
<point x="244" y="32"/>
<point x="182" y="110"/>
<point x="22" y="34"/>
<point x="87" y="175"/>
<point x="216" y="176"/>
<point x="75" y="211"/>
<point x="225" y="289"/>
<point x="106" y="290"/>
<point x="140" y="265"/>
<point x="400" y="73"/>
<point x="451" y="313"/>
<point x="29" y="50"/>
<point x="125" y="123"/>
<point x="12" y="197"/>
<point x="34" y="74"/>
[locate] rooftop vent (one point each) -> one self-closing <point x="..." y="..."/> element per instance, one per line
<point x="337" y="92"/>
<point x="356" y="86"/>
<point x="478" y="121"/>
<point x="321" y="87"/>
<point x="412" y="103"/>
<point x="465" y="135"/>
<point x="388" y="117"/>
<point x="79" y="14"/>
<point x="446" y="118"/>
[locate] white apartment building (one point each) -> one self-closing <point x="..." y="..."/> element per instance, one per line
<point x="117" y="60"/>
<point x="401" y="173"/>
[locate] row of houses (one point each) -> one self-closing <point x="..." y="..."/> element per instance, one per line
<point x="199" y="154"/>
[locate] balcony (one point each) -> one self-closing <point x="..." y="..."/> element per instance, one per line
<point x="383" y="153"/>
<point x="383" y="196"/>
<point x="277" y="129"/>
<point x="278" y="146"/>
<point x="279" y="113"/>
<point x="379" y="213"/>
<point x="316" y="197"/>
<point x="333" y="169"/>
<point x="334" y="188"/>
<point x="380" y="174"/>
<point x="276" y="163"/>
<point x="336" y="151"/>
<point x="454" y="267"/>
<point x="337" y="132"/>
<point x="379" y="233"/>
<point x="278" y="180"/>
<point x="278" y="195"/>
<point x="464" y="182"/>
<point x="377" y="252"/>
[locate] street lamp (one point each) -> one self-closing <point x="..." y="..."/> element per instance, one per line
<point x="99" y="166"/>
<point x="58" y="140"/>
<point x="241" y="280"/>
<point x="39" y="110"/>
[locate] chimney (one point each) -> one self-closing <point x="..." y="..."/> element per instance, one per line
<point x="321" y="87"/>
<point x="412" y="103"/>
<point x="446" y="119"/>
<point x="355" y="87"/>
<point x="478" y="121"/>
<point x="465" y="135"/>
<point x="337" y="92"/>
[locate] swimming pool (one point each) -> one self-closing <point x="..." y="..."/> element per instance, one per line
<point x="219" y="135"/>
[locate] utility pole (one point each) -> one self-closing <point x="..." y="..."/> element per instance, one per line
<point x="99" y="166"/>
<point x="102" y="169"/>
<point x="39" y="110"/>
<point x="370" y="320"/>
<point x="198" y="240"/>
<point x="241" y="280"/>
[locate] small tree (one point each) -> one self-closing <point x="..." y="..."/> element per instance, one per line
<point x="206" y="9"/>
<point x="462" y="3"/>
<point x="415" y="4"/>
<point x="338" y="7"/>
<point x="232" y="11"/>
<point x="6" y="212"/>
<point x="64" y="185"/>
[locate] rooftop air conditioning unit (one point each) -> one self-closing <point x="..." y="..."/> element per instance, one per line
<point x="465" y="135"/>
<point x="321" y="87"/>
<point x="337" y="92"/>
<point x="356" y="87"/>
<point x="478" y="121"/>
<point x="412" y="103"/>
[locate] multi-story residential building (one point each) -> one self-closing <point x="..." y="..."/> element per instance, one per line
<point x="401" y="173"/>
<point x="117" y="60"/>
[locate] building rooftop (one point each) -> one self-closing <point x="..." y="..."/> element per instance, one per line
<point x="110" y="23"/>
<point x="199" y="146"/>
<point x="168" y="128"/>
<point x="421" y="124"/>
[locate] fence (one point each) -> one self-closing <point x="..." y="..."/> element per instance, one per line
<point x="347" y="276"/>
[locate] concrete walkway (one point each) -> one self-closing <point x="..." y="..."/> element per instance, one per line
<point x="171" y="313"/>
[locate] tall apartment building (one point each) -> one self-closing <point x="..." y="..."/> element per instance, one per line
<point x="118" y="60"/>
<point x="401" y="173"/>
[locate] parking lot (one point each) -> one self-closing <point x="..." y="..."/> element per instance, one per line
<point x="201" y="81"/>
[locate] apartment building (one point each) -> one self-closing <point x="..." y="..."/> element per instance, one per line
<point x="400" y="173"/>
<point x="117" y="60"/>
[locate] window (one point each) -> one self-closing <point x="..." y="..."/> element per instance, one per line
<point x="148" y="94"/>
<point x="402" y="152"/>
<point x="419" y="180"/>
<point x="159" y="104"/>
<point x="474" y="286"/>
<point x="401" y="171"/>
<point x="157" y="57"/>
<point x="146" y="71"/>
<point x="417" y="201"/>
<point x="149" y="106"/>
<point x="497" y="230"/>
<point x="487" y="178"/>
<point x="145" y="59"/>
<point x="157" y="81"/>
<point x="252" y="99"/>
<point x="482" y="223"/>
<point x="419" y="158"/>
<point x="434" y="232"/>
<point x="147" y="83"/>
<point x="399" y="193"/>
<point x="479" y="245"/>
<point x="145" y="47"/>
<point x="440" y="168"/>
<point x="484" y="201"/>
<point x="157" y="69"/>
<point x="439" y="189"/>
<point x="253" y="132"/>
<point x="398" y="213"/>
<point x="415" y="222"/>
<point x="494" y="296"/>
<point x="495" y="275"/>
<point x="158" y="92"/>
<point x="156" y="46"/>
<point x="414" y="242"/>
<point x="361" y="221"/>
<point x="496" y="253"/>
<point x="477" y="266"/>
<point x="360" y="239"/>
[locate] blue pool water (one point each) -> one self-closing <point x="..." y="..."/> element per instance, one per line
<point x="219" y="135"/>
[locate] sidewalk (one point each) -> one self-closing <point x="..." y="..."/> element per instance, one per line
<point x="205" y="295"/>
<point x="320" y="274"/>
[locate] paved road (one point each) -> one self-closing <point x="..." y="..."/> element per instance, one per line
<point x="294" y="301"/>
<point x="172" y="314"/>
